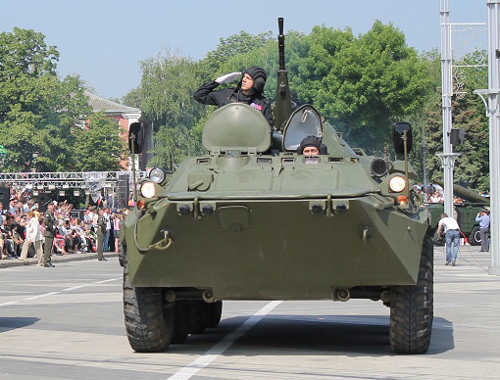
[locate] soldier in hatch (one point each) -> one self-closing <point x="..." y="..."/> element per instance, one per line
<point x="311" y="146"/>
<point x="249" y="90"/>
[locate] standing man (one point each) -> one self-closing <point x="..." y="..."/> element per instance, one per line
<point x="452" y="236"/>
<point x="49" y="221"/>
<point x="101" y="230"/>
<point x="484" y="230"/>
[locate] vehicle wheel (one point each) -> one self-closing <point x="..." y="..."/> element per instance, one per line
<point x="197" y="317"/>
<point x="213" y="313"/>
<point x="475" y="237"/>
<point x="149" y="325"/>
<point x="122" y="252"/>
<point x="181" y="325"/>
<point x="412" y="308"/>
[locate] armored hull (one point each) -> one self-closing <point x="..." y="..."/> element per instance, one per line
<point x="257" y="234"/>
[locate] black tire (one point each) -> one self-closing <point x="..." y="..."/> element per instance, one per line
<point x="148" y="323"/>
<point x="412" y="308"/>
<point x="474" y="237"/>
<point x="213" y="313"/>
<point x="181" y="322"/>
<point x="197" y="318"/>
<point x="121" y="254"/>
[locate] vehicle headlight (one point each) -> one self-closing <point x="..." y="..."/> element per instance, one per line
<point x="157" y="175"/>
<point x="148" y="190"/>
<point x="397" y="184"/>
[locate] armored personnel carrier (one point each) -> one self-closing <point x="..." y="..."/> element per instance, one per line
<point x="254" y="220"/>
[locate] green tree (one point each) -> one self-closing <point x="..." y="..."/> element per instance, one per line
<point x="37" y="110"/>
<point x="168" y="82"/>
<point x="98" y="146"/>
<point x="472" y="166"/>
<point x="234" y="53"/>
<point x="133" y="98"/>
<point x="361" y="85"/>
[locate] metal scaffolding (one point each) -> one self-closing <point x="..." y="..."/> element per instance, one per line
<point x="46" y="181"/>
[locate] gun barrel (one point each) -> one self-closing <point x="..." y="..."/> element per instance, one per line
<point x="283" y="107"/>
<point x="281" y="44"/>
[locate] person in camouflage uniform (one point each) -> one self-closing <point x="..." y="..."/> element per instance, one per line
<point x="49" y="222"/>
<point x="101" y="230"/>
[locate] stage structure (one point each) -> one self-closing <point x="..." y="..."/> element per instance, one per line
<point x="48" y="185"/>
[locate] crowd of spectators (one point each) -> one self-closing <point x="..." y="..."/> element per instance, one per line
<point x="75" y="229"/>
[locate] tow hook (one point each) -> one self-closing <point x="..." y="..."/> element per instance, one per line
<point x="164" y="243"/>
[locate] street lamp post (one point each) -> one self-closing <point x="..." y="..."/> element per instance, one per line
<point x="447" y="157"/>
<point x="493" y="112"/>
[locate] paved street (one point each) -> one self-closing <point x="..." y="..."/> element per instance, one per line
<point x="66" y="323"/>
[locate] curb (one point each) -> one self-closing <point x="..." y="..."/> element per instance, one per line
<point x="55" y="259"/>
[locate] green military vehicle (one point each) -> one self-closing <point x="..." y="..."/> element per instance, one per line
<point x="465" y="213"/>
<point x="253" y="220"/>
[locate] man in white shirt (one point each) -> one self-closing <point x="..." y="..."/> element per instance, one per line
<point x="452" y="236"/>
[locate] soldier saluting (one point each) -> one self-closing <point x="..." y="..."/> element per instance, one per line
<point x="49" y="222"/>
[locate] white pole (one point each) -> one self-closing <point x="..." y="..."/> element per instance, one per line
<point x="447" y="157"/>
<point x="493" y="91"/>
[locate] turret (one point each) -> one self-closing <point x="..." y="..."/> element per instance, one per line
<point x="283" y="108"/>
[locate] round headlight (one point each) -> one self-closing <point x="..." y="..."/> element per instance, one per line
<point x="397" y="184"/>
<point x="148" y="190"/>
<point x="157" y="175"/>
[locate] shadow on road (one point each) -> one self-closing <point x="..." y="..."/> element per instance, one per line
<point x="12" y="323"/>
<point x="313" y="335"/>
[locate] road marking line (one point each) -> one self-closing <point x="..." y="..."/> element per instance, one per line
<point x="41" y="296"/>
<point x="111" y="279"/>
<point x="9" y="303"/>
<point x="54" y="293"/>
<point x="212" y="354"/>
<point x="74" y="288"/>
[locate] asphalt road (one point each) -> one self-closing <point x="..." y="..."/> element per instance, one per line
<point x="66" y="323"/>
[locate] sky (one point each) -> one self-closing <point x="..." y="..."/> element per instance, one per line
<point x="104" y="41"/>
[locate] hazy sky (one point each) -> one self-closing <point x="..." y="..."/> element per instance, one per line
<point x="104" y="40"/>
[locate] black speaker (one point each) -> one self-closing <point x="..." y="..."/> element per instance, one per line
<point x="123" y="190"/>
<point x="5" y="197"/>
<point x="457" y="136"/>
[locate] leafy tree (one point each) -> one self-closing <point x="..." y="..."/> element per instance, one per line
<point x="37" y="110"/>
<point x="166" y="86"/>
<point x="360" y="84"/>
<point x="98" y="146"/>
<point x="472" y="166"/>
<point x="233" y="53"/>
<point x="133" y="98"/>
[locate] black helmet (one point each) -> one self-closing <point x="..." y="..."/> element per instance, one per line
<point x="309" y="141"/>
<point x="259" y="77"/>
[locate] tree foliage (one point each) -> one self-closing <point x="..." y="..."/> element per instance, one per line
<point x="37" y="110"/>
<point x="472" y="166"/>
<point x="98" y="146"/>
<point x="360" y="84"/>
